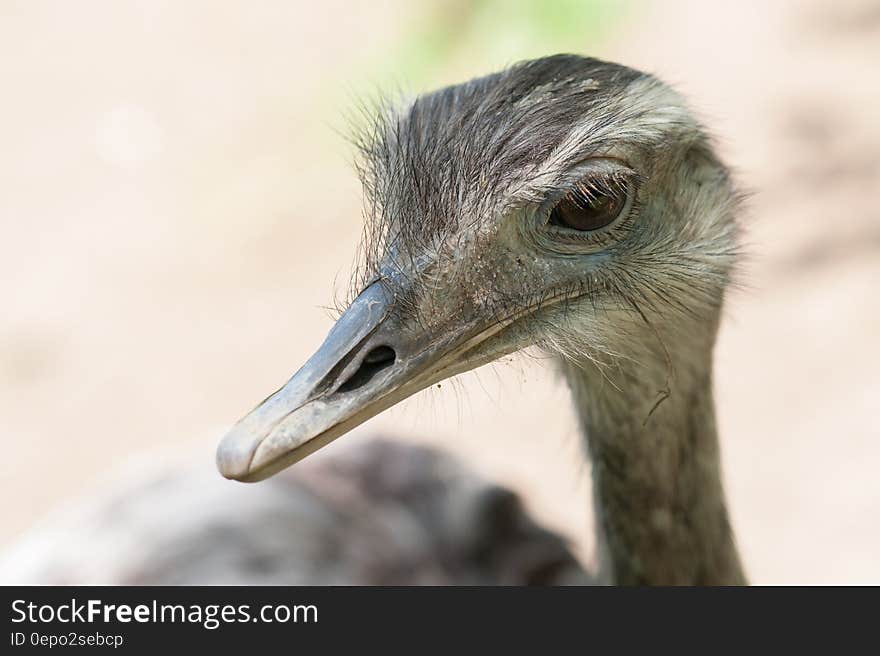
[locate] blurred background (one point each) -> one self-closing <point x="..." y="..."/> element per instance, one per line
<point x="178" y="209"/>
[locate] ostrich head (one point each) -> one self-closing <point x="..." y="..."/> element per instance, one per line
<point x="565" y="203"/>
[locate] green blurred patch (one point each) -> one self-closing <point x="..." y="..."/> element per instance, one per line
<point x="465" y="37"/>
<point x="441" y="42"/>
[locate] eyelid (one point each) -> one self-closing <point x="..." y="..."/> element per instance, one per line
<point x="604" y="168"/>
<point x="588" y="189"/>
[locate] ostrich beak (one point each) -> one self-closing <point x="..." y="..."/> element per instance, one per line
<point x="367" y="363"/>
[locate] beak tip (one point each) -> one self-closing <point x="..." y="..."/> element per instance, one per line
<point x="245" y="461"/>
<point x="233" y="462"/>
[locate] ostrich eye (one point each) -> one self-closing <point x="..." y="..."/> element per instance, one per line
<point x="586" y="209"/>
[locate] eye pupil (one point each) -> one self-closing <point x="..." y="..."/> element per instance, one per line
<point x="582" y="213"/>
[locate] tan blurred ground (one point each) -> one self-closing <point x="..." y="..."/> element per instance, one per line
<point x="175" y="206"/>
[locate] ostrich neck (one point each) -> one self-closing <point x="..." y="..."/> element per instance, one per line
<point x="660" y="509"/>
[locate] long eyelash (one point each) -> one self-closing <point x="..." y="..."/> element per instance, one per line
<point x="586" y="190"/>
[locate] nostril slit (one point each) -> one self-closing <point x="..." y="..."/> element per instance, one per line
<point x="375" y="361"/>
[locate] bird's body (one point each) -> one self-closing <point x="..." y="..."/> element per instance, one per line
<point x="376" y="513"/>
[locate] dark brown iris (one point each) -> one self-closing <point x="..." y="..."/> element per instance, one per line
<point x="588" y="211"/>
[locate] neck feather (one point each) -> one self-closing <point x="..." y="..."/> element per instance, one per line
<point x="660" y="508"/>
